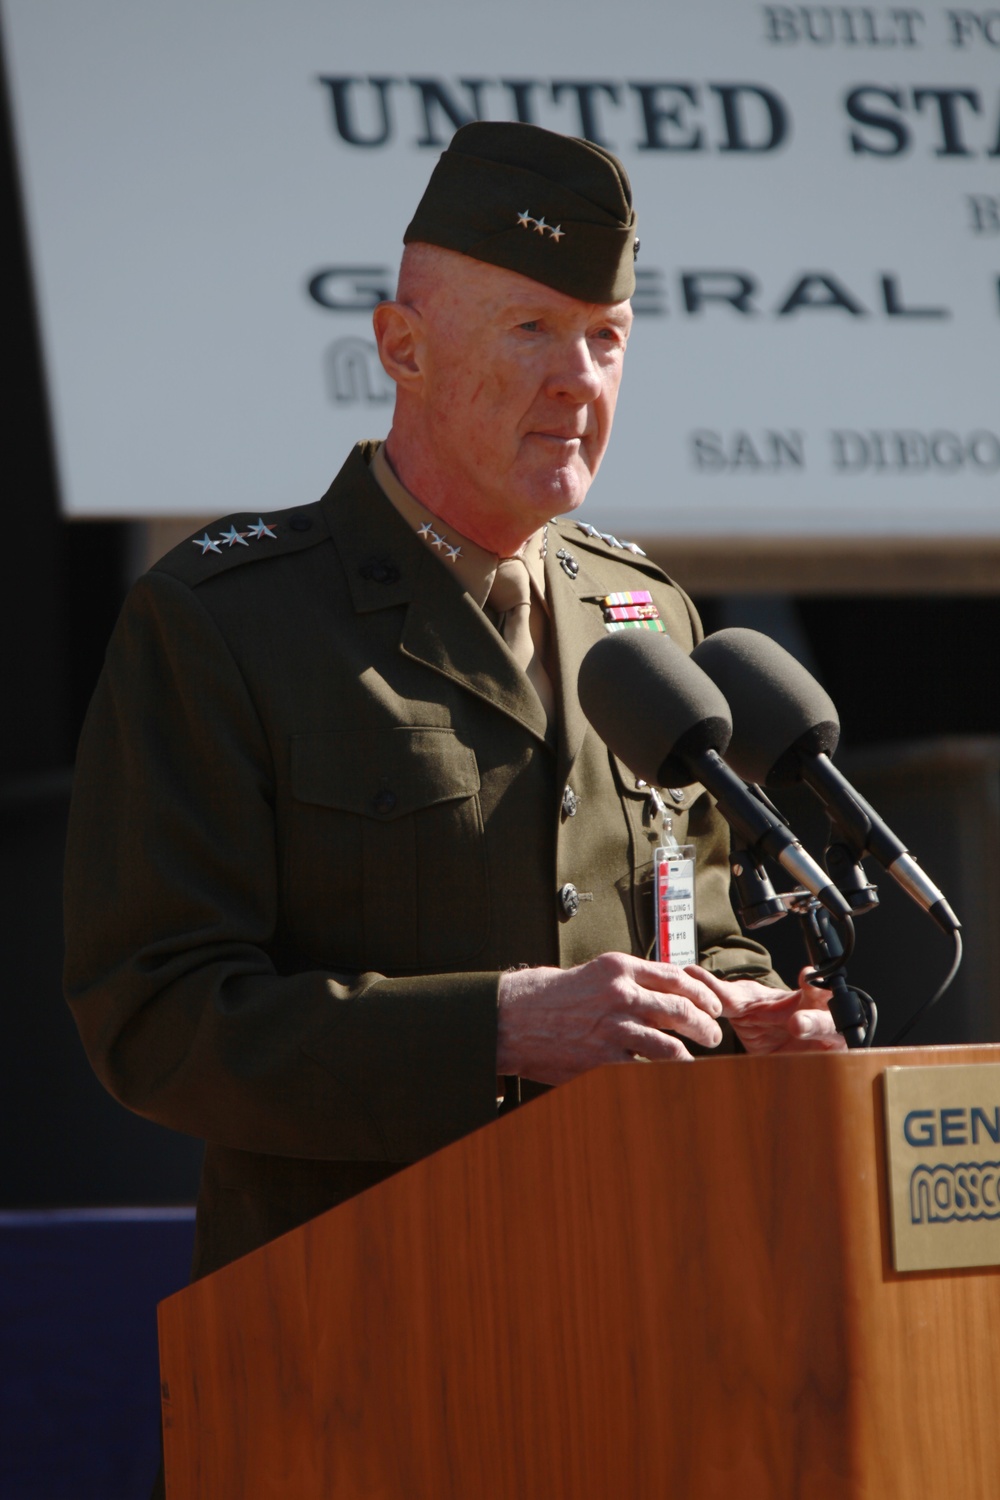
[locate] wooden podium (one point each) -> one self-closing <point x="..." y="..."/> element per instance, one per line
<point x="659" y="1282"/>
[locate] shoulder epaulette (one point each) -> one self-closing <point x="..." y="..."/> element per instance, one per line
<point x="601" y="544"/>
<point x="243" y="538"/>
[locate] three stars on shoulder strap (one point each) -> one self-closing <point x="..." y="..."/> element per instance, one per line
<point x="232" y="538"/>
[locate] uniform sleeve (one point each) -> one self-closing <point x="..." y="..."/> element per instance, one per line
<point x="171" y="910"/>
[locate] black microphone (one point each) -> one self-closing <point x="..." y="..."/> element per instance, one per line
<point x="785" y="729"/>
<point x="670" y="724"/>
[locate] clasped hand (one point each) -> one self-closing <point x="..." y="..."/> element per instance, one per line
<point x="554" y="1024"/>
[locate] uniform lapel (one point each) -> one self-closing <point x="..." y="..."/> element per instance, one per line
<point x="386" y="564"/>
<point x="578" y="624"/>
<point x="448" y="631"/>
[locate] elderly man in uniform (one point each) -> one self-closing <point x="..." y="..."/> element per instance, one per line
<point x="343" y="846"/>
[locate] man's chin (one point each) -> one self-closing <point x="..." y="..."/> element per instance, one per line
<point x="562" y="490"/>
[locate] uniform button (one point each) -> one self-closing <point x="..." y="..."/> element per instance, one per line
<point x="676" y="793"/>
<point x="570" y="803"/>
<point x="569" y="899"/>
<point x="384" y="801"/>
<point x="380" y="570"/>
<point x="300" y="523"/>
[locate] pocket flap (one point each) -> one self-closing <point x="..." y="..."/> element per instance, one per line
<point x="677" y="799"/>
<point x="382" y="773"/>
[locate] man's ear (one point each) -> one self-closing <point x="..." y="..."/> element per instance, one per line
<point x="399" y="335"/>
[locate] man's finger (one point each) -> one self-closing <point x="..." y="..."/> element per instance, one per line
<point x="666" y="1011"/>
<point x="743" y="998"/>
<point x="761" y="1000"/>
<point x="805" y="983"/>
<point x="667" y="979"/>
<point x="719" y="986"/>
<point x="651" y="1045"/>
<point x="812" y="1023"/>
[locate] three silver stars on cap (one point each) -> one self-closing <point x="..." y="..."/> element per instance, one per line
<point x="528" y="221"/>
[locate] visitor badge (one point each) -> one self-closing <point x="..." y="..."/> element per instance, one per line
<point x="673" y="895"/>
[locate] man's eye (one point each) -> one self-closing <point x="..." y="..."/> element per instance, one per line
<point x="531" y="326"/>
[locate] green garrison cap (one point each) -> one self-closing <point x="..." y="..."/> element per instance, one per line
<point x="549" y="206"/>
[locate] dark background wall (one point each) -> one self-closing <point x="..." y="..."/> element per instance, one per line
<point x="61" y="588"/>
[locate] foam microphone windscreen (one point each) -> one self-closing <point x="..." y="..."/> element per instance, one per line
<point x="652" y="705"/>
<point x="778" y="708"/>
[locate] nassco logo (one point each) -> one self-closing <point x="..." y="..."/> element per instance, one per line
<point x="968" y="1190"/>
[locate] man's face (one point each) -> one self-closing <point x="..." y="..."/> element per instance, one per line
<point x="518" y="391"/>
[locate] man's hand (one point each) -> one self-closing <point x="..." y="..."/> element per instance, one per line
<point x="556" y="1023"/>
<point x="769" y="1020"/>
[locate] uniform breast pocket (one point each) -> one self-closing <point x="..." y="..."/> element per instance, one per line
<point x="388" y="854"/>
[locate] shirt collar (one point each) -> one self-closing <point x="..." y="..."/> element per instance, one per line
<point x="473" y="567"/>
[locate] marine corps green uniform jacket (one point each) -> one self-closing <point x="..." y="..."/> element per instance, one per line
<point x="315" y="815"/>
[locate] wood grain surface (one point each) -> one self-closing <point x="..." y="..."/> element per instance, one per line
<point x="658" y="1281"/>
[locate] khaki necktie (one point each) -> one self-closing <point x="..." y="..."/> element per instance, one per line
<point x="510" y="597"/>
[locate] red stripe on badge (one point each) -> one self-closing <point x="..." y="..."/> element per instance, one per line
<point x="663" y="910"/>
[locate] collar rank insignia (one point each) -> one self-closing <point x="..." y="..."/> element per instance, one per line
<point x="608" y="539"/>
<point x="438" y="541"/>
<point x="632" y="610"/>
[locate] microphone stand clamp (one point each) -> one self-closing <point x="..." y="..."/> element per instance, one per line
<point x="854" y="1013"/>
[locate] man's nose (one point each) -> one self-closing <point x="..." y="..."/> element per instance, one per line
<point x="574" y="375"/>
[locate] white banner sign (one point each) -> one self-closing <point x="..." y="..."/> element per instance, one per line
<point x="217" y="191"/>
